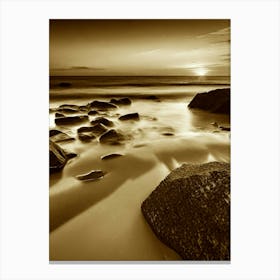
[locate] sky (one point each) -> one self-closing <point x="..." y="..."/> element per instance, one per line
<point x="140" y="47"/>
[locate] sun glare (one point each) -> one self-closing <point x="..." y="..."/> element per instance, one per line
<point x="200" y="71"/>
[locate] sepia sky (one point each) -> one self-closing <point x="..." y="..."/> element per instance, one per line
<point x="140" y="47"/>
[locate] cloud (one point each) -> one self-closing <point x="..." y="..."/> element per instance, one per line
<point x="219" y="36"/>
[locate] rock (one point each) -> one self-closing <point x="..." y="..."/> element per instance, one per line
<point x="53" y="132"/>
<point x="65" y="84"/>
<point x="111" y="156"/>
<point x="83" y="108"/>
<point x="68" y="111"/>
<point x="102" y="120"/>
<point x="69" y="106"/>
<point x="93" y="175"/>
<point x="151" y="97"/>
<point x="59" y="115"/>
<point x="71" y="120"/>
<point x="86" y="136"/>
<point x="215" y="101"/>
<point x="58" y="157"/>
<point x="225" y="128"/>
<point x="92" y="113"/>
<point x="215" y="124"/>
<point x="111" y="137"/>
<point x="131" y="116"/>
<point x="190" y="211"/>
<point x="102" y="105"/>
<point x="168" y="134"/>
<point x="121" y="101"/>
<point x="97" y="129"/>
<point x="59" y="136"/>
<point x="70" y="155"/>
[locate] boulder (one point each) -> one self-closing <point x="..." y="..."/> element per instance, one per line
<point x="86" y="136"/>
<point x="91" y="176"/>
<point x="131" y="116"/>
<point x="111" y="137"/>
<point x="71" y="120"/>
<point x="215" y="101"/>
<point x="59" y="136"/>
<point x="121" y="101"/>
<point x="96" y="129"/>
<point x="58" y="157"/>
<point x="102" y="105"/>
<point x="190" y="211"/>
<point x="102" y="120"/>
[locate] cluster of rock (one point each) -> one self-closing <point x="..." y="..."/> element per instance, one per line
<point x="190" y="211"/>
<point x="100" y="128"/>
<point x="215" y="101"/>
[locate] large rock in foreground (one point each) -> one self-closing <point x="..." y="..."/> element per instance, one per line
<point x="190" y="211"/>
<point x="215" y="101"/>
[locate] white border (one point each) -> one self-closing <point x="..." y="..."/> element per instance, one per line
<point x="255" y="138"/>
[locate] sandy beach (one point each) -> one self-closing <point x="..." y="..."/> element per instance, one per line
<point x="101" y="219"/>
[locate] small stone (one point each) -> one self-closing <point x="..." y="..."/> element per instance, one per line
<point x="91" y="176"/>
<point x="111" y="156"/>
<point x="131" y="116"/>
<point x="102" y="120"/>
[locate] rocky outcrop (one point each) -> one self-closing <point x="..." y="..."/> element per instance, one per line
<point x="102" y="105"/>
<point x="121" y="101"/>
<point x="71" y="120"/>
<point x="190" y="211"/>
<point x="215" y="101"/>
<point x="131" y="116"/>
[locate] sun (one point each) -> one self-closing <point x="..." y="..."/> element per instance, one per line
<point x="200" y="71"/>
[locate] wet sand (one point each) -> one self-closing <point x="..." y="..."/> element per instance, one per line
<point x="102" y="220"/>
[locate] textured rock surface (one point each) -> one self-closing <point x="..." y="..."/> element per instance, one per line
<point x="59" y="136"/>
<point x="111" y="137"/>
<point x="58" y="157"/>
<point x="190" y="211"/>
<point x="215" y="101"/>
